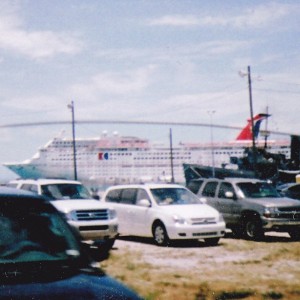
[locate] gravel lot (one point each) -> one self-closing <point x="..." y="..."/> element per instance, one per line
<point x="235" y="264"/>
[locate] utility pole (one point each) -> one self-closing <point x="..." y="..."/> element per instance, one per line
<point x="211" y="112"/>
<point x="71" y="106"/>
<point x="252" y="121"/>
<point x="171" y="157"/>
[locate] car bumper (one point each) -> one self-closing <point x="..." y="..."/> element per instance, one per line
<point x="269" y="223"/>
<point x="191" y="232"/>
<point x="96" y="231"/>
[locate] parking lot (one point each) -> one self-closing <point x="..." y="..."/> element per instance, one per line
<point x="236" y="269"/>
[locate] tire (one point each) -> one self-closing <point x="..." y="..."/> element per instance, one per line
<point x="295" y="234"/>
<point x="160" y="234"/>
<point x="252" y="229"/>
<point x="212" y="241"/>
<point x="110" y="243"/>
<point x="237" y="232"/>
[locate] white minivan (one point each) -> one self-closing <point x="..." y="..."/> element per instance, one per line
<point x="165" y="212"/>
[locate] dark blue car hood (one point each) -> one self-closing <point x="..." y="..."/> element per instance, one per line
<point x="80" y="286"/>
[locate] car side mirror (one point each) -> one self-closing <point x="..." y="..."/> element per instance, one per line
<point x="144" y="203"/>
<point x="229" y="195"/>
<point x="203" y="200"/>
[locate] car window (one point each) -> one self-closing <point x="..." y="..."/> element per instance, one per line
<point x="174" y="196"/>
<point x="257" y="190"/>
<point x="113" y="196"/>
<point x="209" y="189"/>
<point x="141" y="195"/>
<point x="128" y="196"/>
<point x="194" y="185"/>
<point x="30" y="187"/>
<point x="295" y="188"/>
<point x="34" y="236"/>
<point x="225" y="187"/>
<point x="12" y="184"/>
<point x="65" y="191"/>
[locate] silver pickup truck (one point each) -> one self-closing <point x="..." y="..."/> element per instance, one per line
<point x="251" y="207"/>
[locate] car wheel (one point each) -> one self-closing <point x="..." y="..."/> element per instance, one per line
<point x="160" y="234"/>
<point x="110" y="243"/>
<point x="237" y="232"/>
<point x="212" y="241"/>
<point x="253" y="228"/>
<point x="295" y="234"/>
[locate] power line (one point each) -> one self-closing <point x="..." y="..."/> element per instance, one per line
<point x="187" y="124"/>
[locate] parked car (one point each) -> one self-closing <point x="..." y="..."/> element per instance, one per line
<point x="96" y="222"/>
<point x="251" y="207"/>
<point x="165" y="212"/>
<point x="290" y="190"/>
<point x="42" y="257"/>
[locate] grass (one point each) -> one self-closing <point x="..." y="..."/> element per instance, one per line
<point x="236" y="269"/>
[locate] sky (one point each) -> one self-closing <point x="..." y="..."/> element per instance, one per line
<point x="144" y="60"/>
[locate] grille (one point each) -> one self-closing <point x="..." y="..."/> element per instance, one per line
<point x="289" y="213"/>
<point x="91" y="228"/>
<point x="202" y="221"/>
<point x="204" y="233"/>
<point x="91" y="215"/>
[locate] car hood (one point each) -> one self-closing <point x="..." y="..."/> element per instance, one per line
<point x="81" y="286"/>
<point x="190" y="210"/>
<point x="84" y="204"/>
<point x="275" y="202"/>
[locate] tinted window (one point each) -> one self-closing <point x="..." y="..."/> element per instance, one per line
<point x="257" y="190"/>
<point x="194" y="185"/>
<point x="113" y="196"/>
<point x="142" y="194"/>
<point x="225" y="187"/>
<point x="174" y="196"/>
<point x="30" y="187"/>
<point x="128" y="196"/>
<point x="27" y="234"/>
<point x="65" y="191"/>
<point x="210" y="189"/>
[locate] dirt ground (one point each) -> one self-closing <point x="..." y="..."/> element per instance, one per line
<point x="236" y="268"/>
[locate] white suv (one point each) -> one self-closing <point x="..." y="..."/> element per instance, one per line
<point x="165" y="212"/>
<point x="96" y="222"/>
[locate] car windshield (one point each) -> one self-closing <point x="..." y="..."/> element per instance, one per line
<point x="35" y="236"/>
<point x="65" y="191"/>
<point x="174" y="196"/>
<point x="257" y="190"/>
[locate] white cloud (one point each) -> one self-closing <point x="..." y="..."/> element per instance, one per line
<point x="33" y="44"/>
<point x="175" y="20"/>
<point x="256" y="17"/>
<point x="115" y="83"/>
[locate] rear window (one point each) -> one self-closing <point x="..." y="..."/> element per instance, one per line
<point x="258" y="190"/>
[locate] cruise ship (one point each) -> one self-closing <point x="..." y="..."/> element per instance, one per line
<point x="114" y="159"/>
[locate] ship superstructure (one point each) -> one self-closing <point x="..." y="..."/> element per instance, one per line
<point x="113" y="159"/>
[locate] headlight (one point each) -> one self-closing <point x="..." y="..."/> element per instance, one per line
<point x="179" y="220"/>
<point x="71" y="216"/>
<point x="271" y="212"/>
<point x="112" y="213"/>
<point x="221" y="219"/>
